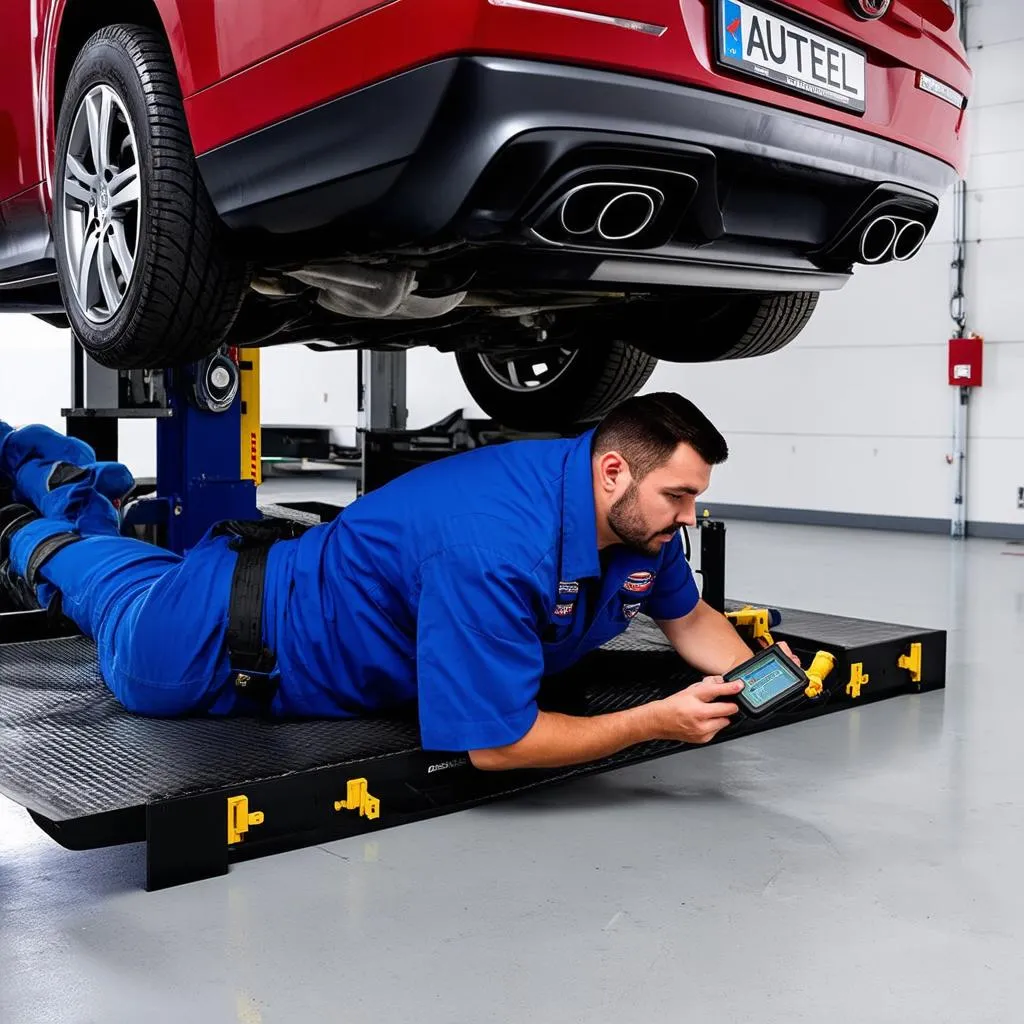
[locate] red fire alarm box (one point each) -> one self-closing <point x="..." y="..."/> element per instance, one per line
<point x="965" y="359"/>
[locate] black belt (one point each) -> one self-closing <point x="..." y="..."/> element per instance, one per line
<point x="252" y="662"/>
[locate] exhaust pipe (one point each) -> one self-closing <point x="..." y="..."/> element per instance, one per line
<point x="877" y="241"/>
<point x="609" y="211"/>
<point x="908" y="242"/>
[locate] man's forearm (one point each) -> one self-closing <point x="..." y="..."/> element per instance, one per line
<point x="557" y="740"/>
<point x="707" y="640"/>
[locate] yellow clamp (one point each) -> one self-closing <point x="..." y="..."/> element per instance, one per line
<point x="240" y="819"/>
<point x="359" y="799"/>
<point x="858" y="679"/>
<point x="912" y="662"/>
<point x="822" y="665"/>
<point x="755" y="620"/>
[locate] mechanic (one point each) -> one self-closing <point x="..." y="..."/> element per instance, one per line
<point x="452" y="590"/>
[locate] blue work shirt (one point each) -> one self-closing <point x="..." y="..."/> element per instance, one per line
<point x="458" y="586"/>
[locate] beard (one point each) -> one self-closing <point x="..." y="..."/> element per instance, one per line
<point x="628" y="524"/>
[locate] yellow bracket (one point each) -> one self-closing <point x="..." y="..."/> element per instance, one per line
<point x="754" y="621"/>
<point x="912" y="662"/>
<point x="857" y="680"/>
<point x="240" y="819"/>
<point x="822" y="665"/>
<point x="359" y="799"/>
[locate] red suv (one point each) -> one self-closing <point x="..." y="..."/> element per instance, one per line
<point x="561" y="192"/>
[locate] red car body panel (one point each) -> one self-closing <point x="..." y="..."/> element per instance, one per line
<point x="19" y="60"/>
<point x="406" y="33"/>
<point x="244" y="64"/>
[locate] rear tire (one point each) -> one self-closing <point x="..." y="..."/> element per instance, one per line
<point x="713" y="328"/>
<point x="596" y="379"/>
<point x="184" y="287"/>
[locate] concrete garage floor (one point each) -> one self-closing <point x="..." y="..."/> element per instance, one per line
<point x="863" y="867"/>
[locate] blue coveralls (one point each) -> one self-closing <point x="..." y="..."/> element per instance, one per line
<point x="453" y="589"/>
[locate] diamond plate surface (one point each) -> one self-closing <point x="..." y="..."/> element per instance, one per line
<point x="825" y="630"/>
<point x="642" y="635"/>
<point x="296" y="515"/>
<point x="68" y="749"/>
<point x="836" y="631"/>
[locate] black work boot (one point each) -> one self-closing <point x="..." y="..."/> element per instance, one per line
<point x="15" y="592"/>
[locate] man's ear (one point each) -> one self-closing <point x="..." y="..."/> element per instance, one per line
<point x="610" y="469"/>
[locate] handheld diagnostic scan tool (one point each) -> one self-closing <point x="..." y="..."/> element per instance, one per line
<point x="770" y="680"/>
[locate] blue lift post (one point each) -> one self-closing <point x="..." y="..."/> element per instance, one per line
<point x="201" y="477"/>
<point x="198" y="455"/>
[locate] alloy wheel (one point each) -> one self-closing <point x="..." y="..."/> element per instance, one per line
<point x="102" y="204"/>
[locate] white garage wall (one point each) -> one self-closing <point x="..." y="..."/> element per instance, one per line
<point x="35" y="372"/>
<point x="995" y="258"/>
<point x="300" y="387"/>
<point x="35" y="384"/>
<point x="436" y="389"/>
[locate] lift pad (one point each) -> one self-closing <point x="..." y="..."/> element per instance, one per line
<point x="201" y="792"/>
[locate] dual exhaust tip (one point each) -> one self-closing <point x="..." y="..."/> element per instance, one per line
<point x="892" y="238"/>
<point x="609" y="212"/>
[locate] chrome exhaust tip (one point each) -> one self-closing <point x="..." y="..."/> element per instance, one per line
<point x="909" y="240"/>
<point x="877" y="240"/>
<point x="626" y="216"/>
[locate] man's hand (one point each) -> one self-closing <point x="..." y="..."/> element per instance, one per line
<point x="695" y="715"/>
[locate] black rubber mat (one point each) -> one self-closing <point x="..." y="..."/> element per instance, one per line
<point x="68" y="749"/>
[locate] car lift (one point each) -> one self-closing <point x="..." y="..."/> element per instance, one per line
<point x="202" y="792"/>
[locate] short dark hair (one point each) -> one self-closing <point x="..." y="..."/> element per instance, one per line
<point x="648" y="429"/>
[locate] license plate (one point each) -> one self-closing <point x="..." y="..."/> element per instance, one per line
<point x="763" y="45"/>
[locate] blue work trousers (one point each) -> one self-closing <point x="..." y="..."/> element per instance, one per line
<point x="158" y="619"/>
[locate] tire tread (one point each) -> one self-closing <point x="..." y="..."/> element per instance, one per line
<point x="625" y="372"/>
<point x="780" y="318"/>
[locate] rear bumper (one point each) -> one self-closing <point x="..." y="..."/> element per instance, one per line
<point x="459" y="149"/>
